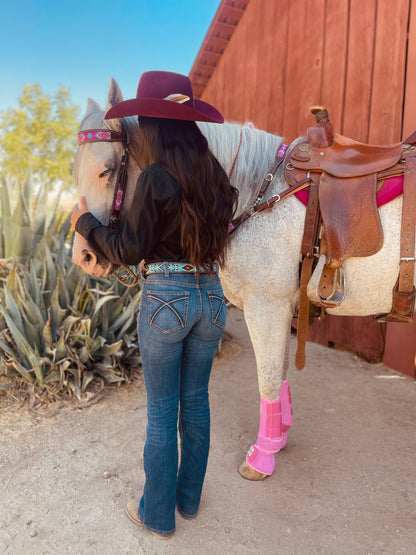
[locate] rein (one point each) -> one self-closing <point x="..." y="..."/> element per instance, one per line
<point x="258" y="206"/>
<point x="101" y="135"/>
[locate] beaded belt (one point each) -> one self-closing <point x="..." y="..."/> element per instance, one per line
<point x="177" y="268"/>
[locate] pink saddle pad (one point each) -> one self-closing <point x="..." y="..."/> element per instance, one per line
<point x="392" y="188"/>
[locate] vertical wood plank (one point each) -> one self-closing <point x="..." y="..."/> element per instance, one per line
<point x="360" y="60"/>
<point x="294" y="65"/>
<point x="267" y="110"/>
<point x="389" y="72"/>
<point x="400" y="348"/>
<point x="213" y="88"/>
<point x="335" y="59"/>
<point x="259" y="107"/>
<point x="311" y="66"/>
<point x="251" y="68"/>
<point x="210" y="93"/>
<point x="272" y="77"/>
<point x="234" y="72"/>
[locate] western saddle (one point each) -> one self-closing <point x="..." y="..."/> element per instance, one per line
<point x="342" y="218"/>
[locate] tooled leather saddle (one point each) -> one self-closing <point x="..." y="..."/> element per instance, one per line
<point x="342" y="218"/>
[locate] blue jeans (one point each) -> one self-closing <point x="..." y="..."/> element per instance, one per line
<point x="181" y="321"/>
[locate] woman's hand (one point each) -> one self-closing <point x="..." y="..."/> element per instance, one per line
<point x="77" y="212"/>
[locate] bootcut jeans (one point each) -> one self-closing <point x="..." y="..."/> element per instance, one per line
<point x="181" y="321"/>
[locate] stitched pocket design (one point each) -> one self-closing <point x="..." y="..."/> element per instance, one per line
<point x="218" y="308"/>
<point x="167" y="311"/>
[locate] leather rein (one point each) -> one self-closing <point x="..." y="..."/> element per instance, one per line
<point x="260" y="205"/>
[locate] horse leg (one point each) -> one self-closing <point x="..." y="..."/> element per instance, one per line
<point x="269" y="334"/>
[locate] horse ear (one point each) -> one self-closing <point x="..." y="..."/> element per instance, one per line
<point x="92" y="107"/>
<point x="114" y="97"/>
<point x="114" y="94"/>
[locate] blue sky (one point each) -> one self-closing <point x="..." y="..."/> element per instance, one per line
<point x="81" y="44"/>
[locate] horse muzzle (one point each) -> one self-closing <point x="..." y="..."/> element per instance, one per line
<point x="94" y="265"/>
<point x="88" y="260"/>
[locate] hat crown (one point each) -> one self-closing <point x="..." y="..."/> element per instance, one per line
<point x="161" y="84"/>
<point x="163" y="94"/>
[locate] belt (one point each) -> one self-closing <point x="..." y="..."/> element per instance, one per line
<point x="177" y="268"/>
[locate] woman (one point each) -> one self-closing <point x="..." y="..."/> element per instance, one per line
<point x="178" y="224"/>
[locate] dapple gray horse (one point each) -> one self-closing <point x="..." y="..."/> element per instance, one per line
<point x="261" y="274"/>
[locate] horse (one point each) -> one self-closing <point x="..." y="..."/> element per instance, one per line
<point x="261" y="272"/>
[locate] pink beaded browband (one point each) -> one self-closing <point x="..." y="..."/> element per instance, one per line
<point x="95" y="135"/>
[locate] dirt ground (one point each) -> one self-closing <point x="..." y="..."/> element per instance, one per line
<point x="345" y="484"/>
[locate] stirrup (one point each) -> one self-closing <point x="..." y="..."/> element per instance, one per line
<point x="338" y="290"/>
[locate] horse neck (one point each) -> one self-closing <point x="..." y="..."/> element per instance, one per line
<point x="246" y="151"/>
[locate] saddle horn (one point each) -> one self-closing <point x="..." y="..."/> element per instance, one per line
<point x="322" y="134"/>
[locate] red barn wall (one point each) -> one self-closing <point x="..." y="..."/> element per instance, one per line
<point x="348" y="55"/>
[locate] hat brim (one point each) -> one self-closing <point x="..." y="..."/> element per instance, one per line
<point x="158" y="108"/>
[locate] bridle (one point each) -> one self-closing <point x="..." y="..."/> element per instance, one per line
<point x="100" y="135"/>
<point x="106" y="135"/>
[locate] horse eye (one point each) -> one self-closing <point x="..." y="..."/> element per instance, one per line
<point x="105" y="173"/>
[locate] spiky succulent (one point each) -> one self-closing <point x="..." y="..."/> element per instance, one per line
<point x="60" y="329"/>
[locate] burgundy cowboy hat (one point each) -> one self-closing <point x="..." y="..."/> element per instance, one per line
<point x="162" y="94"/>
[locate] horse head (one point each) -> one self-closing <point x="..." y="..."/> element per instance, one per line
<point x="96" y="168"/>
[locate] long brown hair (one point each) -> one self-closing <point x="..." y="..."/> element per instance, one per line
<point x="208" y="200"/>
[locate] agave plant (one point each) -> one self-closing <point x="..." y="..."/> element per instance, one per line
<point x="60" y="330"/>
<point x="25" y="217"/>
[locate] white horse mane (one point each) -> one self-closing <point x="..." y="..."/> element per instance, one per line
<point x="253" y="159"/>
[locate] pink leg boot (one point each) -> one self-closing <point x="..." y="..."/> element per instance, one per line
<point x="261" y="455"/>
<point x="275" y="419"/>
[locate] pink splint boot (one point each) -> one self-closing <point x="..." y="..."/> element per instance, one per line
<point x="276" y="417"/>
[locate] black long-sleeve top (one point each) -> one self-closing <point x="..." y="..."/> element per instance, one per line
<point x="151" y="230"/>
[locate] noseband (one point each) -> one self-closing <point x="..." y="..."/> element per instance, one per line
<point x="104" y="135"/>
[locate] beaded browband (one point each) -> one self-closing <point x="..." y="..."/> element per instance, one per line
<point x="95" y="135"/>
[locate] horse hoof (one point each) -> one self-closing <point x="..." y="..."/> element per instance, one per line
<point x="249" y="473"/>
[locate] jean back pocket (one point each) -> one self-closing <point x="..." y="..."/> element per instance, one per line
<point x="218" y="308"/>
<point x="167" y="310"/>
